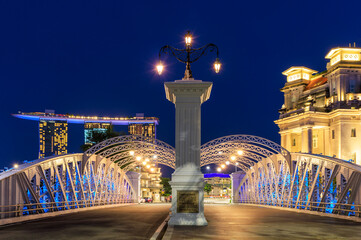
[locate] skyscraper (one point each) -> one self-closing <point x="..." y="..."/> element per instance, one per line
<point x="91" y="127"/>
<point x="53" y="128"/>
<point x="53" y="137"/>
<point x="147" y="130"/>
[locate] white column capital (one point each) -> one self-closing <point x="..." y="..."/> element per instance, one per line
<point x="188" y="90"/>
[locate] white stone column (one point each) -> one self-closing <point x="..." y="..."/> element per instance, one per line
<point x="187" y="180"/>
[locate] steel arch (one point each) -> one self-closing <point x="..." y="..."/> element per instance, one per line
<point x="57" y="184"/>
<point x="318" y="183"/>
<point x="254" y="148"/>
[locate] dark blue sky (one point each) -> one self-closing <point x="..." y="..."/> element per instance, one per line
<point x="98" y="57"/>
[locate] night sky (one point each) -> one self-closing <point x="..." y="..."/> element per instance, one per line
<point x="98" y="58"/>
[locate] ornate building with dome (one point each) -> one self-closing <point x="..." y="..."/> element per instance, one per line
<point x="321" y="113"/>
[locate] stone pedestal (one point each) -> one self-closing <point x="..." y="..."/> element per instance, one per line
<point x="187" y="180"/>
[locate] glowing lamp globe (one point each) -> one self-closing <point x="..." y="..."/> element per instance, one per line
<point x="217" y="65"/>
<point x="160" y="68"/>
<point x="188" y="39"/>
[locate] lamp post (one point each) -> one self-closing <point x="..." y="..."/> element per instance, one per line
<point x="188" y="55"/>
<point x="188" y="95"/>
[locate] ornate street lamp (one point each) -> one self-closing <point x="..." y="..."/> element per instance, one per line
<point x="188" y="55"/>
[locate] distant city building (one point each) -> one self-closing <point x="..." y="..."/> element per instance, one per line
<point x="147" y="129"/>
<point x="150" y="182"/>
<point x="321" y="113"/>
<point x="221" y="184"/>
<point x="53" y="128"/>
<point x="53" y="138"/>
<point x="91" y="127"/>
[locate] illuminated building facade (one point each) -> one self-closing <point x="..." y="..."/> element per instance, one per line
<point x="53" y="138"/>
<point x="321" y="113"/>
<point x="91" y="127"/>
<point x="147" y="130"/>
<point x="150" y="182"/>
<point x="53" y="128"/>
<point x="221" y="184"/>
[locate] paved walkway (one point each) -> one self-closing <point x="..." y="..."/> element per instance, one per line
<point x="128" y="222"/>
<point x="250" y="222"/>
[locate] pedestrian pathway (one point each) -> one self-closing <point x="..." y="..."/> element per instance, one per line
<point x="256" y="223"/>
<point x="126" y="222"/>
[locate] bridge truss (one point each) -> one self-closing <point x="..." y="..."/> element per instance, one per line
<point x="313" y="182"/>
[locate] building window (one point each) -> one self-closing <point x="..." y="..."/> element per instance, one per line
<point x="294" y="142"/>
<point x="352" y="86"/>
<point x="353" y="132"/>
<point x="333" y="134"/>
<point x="315" y="141"/>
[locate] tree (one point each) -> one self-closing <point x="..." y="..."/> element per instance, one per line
<point x="167" y="189"/>
<point x="98" y="137"/>
<point x="208" y="188"/>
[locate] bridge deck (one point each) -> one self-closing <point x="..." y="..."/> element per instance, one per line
<point x="225" y="222"/>
<point x="128" y="222"/>
<point x="251" y="222"/>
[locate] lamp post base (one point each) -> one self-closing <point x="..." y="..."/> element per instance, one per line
<point x="188" y="197"/>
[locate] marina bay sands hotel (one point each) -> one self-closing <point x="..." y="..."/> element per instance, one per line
<point x="53" y="128"/>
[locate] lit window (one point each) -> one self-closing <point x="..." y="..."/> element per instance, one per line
<point x="315" y="141"/>
<point x="294" y="142"/>
<point x="353" y="132"/>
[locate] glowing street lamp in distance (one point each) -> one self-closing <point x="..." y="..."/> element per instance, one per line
<point x="219" y="169"/>
<point x="240" y="152"/>
<point x="138" y="158"/>
<point x="160" y="68"/>
<point x="217" y="65"/>
<point x="147" y="159"/>
<point x="188" y="39"/>
<point x="16" y="165"/>
<point x="155" y="157"/>
<point x="223" y="166"/>
<point x="208" y="167"/>
<point x="233" y="158"/>
<point x="227" y="162"/>
<point x="131" y="153"/>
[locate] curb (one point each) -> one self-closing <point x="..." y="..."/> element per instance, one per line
<point x="159" y="233"/>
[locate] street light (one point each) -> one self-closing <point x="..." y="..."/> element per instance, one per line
<point x="233" y="158"/>
<point x="227" y="162"/>
<point x="219" y="169"/>
<point x="188" y="39"/>
<point x="240" y="152"/>
<point x="131" y="153"/>
<point x="223" y="166"/>
<point x="138" y="158"/>
<point x="160" y="67"/>
<point x="16" y="165"/>
<point x="217" y="65"/>
<point x="188" y="55"/>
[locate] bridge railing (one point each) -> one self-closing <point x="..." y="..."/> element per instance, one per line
<point x="323" y="207"/>
<point x="313" y="183"/>
<point x="18" y="210"/>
